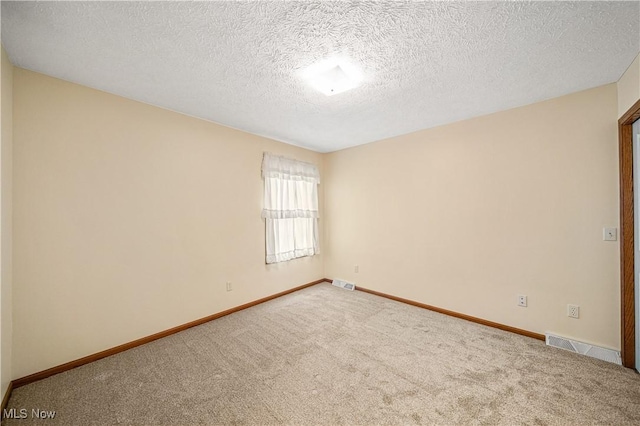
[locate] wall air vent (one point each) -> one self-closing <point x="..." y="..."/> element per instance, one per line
<point x="593" y="351"/>
<point x="344" y="284"/>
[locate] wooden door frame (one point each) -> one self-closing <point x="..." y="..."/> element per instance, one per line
<point x="627" y="273"/>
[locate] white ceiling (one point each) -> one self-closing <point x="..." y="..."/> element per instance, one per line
<point x="239" y="63"/>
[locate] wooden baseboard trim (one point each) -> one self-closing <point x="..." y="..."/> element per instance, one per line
<point x="108" y="352"/>
<point x="457" y="314"/>
<point x="5" y="399"/>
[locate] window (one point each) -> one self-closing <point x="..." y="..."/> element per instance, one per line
<point x="290" y="208"/>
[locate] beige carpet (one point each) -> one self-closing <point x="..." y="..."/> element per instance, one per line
<point x="324" y="355"/>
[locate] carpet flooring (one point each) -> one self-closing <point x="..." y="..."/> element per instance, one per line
<point x="327" y="356"/>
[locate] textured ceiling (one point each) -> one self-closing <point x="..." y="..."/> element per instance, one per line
<point x="240" y="63"/>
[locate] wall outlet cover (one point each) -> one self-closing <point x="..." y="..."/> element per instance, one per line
<point x="573" y="311"/>
<point x="522" y="300"/>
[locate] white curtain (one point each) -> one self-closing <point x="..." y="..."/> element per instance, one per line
<point x="290" y="208"/>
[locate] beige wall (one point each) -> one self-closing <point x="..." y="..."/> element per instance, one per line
<point x="129" y="219"/>
<point x="6" y="108"/>
<point x="469" y="215"/>
<point x="629" y="87"/>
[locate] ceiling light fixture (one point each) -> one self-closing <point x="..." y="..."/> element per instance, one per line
<point x="333" y="76"/>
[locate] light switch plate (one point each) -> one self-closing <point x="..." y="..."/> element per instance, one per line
<point x="610" y="234"/>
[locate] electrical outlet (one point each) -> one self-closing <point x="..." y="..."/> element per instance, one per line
<point x="522" y="300"/>
<point x="573" y="311"/>
<point x="356" y="268"/>
<point x="229" y="287"/>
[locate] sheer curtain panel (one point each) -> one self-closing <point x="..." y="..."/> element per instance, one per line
<point x="290" y="208"/>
